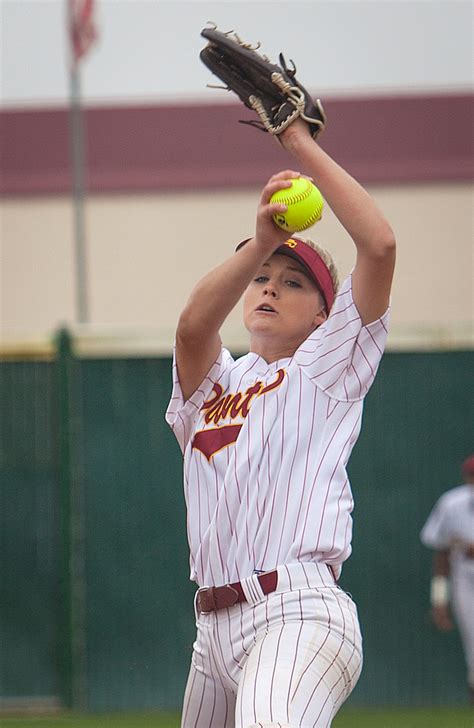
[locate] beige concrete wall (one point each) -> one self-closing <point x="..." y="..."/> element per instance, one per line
<point x="145" y="252"/>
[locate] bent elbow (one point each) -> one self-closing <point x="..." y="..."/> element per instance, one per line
<point x="185" y="330"/>
<point x="191" y="328"/>
<point x="389" y="243"/>
<point x="385" y="246"/>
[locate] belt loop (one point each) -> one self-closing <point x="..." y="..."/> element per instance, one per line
<point x="252" y="589"/>
<point x="197" y="611"/>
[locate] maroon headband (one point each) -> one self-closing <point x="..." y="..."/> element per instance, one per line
<point x="312" y="261"/>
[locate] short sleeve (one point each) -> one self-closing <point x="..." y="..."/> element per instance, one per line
<point x="181" y="416"/>
<point x="342" y="356"/>
<point x="435" y="533"/>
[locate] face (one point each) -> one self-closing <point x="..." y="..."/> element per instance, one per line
<point x="282" y="305"/>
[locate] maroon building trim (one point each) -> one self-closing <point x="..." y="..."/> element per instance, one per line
<point x="198" y="146"/>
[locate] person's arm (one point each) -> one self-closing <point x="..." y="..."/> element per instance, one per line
<point x="439" y="596"/>
<point x="213" y="298"/>
<point x="357" y="212"/>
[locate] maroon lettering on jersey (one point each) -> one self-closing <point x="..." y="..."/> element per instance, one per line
<point x="222" y="406"/>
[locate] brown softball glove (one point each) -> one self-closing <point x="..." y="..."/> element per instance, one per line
<point x="272" y="91"/>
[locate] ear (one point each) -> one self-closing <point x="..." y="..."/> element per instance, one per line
<point x="320" y="317"/>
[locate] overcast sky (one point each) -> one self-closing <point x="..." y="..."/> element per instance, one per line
<point x="148" y="50"/>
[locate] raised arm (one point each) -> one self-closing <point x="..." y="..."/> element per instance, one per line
<point x="213" y="298"/>
<point x="358" y="213"/>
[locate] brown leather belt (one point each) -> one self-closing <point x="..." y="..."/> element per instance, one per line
<point x="212" y="598"/>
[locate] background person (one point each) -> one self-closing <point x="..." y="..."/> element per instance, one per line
<point x="449" y="530"/>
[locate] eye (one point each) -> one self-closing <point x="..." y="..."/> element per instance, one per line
<point x="261" y="279"/>
<point x="293" y="284"/>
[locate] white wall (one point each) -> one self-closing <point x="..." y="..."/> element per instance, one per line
<point x="145" y="253"/>
<point x="148" y="49"/>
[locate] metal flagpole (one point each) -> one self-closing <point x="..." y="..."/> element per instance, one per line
<point x="78" y="178"/>
<point x="82" y="34"/>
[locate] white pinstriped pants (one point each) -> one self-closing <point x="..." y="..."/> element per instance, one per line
<point x="462" y="583"/>
<point x="286" y="660"/>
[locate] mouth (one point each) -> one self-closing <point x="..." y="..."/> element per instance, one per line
<point x="265" y="308"/>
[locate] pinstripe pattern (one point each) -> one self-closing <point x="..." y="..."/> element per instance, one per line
<point x="294" y="657"/>
<point x="280" y="492"/>
<point x="271" y="490"/>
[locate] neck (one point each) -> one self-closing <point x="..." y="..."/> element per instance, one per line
<point x="272" y="348"/>
<point x="273" y="351"/>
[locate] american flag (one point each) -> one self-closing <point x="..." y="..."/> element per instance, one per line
<point x="82" y="27"/>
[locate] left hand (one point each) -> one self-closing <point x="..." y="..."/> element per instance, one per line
<point x="296" y="134"/>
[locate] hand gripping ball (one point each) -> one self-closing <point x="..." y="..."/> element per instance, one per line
<point x="304" y="202"/>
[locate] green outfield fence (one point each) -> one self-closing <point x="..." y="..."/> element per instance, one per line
<point x="96" y="610"/>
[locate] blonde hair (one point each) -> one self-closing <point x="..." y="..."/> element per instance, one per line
<point x="328" y="260"/>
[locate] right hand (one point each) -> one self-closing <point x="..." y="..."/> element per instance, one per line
<point x="267" y="234"/>
<point x="442" y="618"/>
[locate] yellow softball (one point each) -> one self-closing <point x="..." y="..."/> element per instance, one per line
<point x="304" y="202"/>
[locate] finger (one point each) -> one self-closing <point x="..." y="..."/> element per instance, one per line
<point x="285" y="174"/>
<point x="273" y="207"/>
<point x="273" y="186"/>
<point x="267" y="211"/>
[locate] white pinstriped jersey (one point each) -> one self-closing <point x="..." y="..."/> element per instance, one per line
<point x="452" y="521"/>
<point x="266" y="446"/>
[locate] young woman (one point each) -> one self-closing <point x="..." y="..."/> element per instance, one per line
<point x="266" y="439"/>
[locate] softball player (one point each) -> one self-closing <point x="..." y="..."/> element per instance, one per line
<point x="449" y="530"/>
<point x="266" y="439"/>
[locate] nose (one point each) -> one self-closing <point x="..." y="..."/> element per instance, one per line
<point x="270" y="290"/>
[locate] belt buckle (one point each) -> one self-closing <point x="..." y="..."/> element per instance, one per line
<point x="206" y="600"/>
<point x="211" y="599"/>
